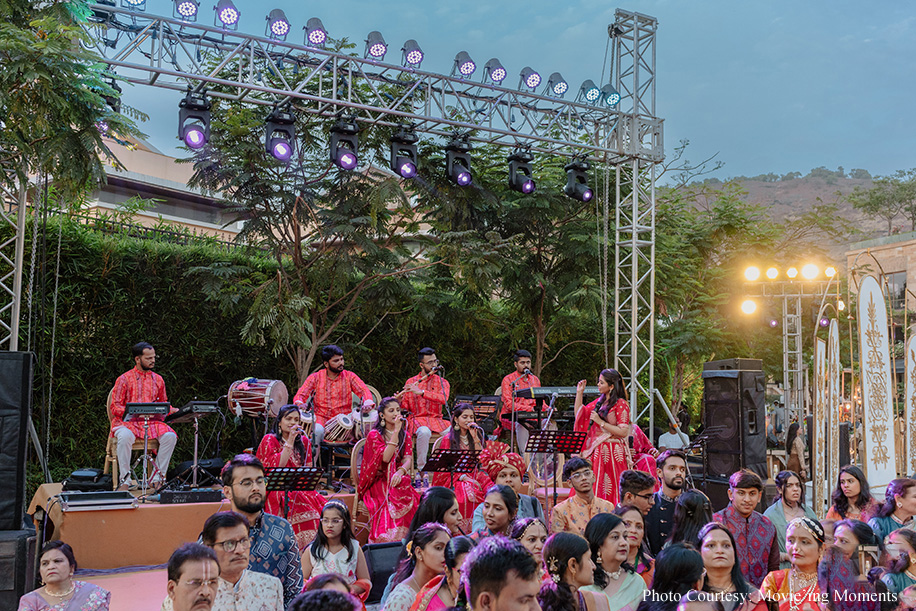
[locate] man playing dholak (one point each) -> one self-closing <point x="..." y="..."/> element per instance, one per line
<point x="332" y="390"/>
<point x="517" y="380"/>
<point x="423" y="398"/>
<point x="140" y="385"/>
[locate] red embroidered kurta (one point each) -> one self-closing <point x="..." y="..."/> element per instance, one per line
<point x="758" y="550"/>
<point x="521" y="382"/>
<point x="426" y="410"/>
<point x="332" y="397"/>
<point x="391" y="508"/>
<point x="470" y="492"/>
<point x="138" y="386"/>
<point x="304" y="505"/>
<point x="609" y="455"/>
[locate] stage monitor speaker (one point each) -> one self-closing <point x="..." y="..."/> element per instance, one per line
<point x="17" y="566"/>
<point x="15" y="403"/>
<point x="382" y="560"/>
<point x="735" y="419"/>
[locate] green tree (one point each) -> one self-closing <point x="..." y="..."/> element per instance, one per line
<point x="886" y="199"/>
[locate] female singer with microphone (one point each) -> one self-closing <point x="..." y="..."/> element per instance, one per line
<point x="288" y="446"/>
<point x="470" y="488"/>
<point x="384" y="477"/>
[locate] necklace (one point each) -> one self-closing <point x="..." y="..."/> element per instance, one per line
<point x="616" y="574"/>
<point x="715" y="590"/>
<point x="800" y="584"/>
<point x="62" y="595"/>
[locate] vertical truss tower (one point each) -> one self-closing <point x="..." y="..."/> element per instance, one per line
<point x="12" y="246"/>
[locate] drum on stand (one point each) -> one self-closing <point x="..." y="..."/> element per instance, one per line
<point x="339" y="429"/>
<point x="257" y="399"/>
<point x="366" y="423"/>
<point x="307" y="420"/>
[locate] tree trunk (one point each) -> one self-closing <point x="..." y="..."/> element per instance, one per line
<point x="540" y="340"/>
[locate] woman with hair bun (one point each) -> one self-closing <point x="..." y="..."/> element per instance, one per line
<point x="569" y="564"/>
<point x="797" y="588"/>
<point x="898" y="509"/>
<point x="425" y="560"/>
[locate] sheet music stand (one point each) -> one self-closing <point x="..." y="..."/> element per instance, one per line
<point x="292" y="479"/>
<point x="447" y="460"/>
<point x="556" y="443"/>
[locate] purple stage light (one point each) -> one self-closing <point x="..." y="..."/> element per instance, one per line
<point x="825" y="322"/>
<point x="281" y="150"/>
<point x="377" y="50"/>
<point x="346" y="159"/>
<point x="227" y="13"/>
<point x="464" y="64"/>
<point x="408" y="169"/>
<point x="194" y="136"/>
<point x="464" y="178"/>
<point x="317" y="37"/>
<point x="467" y="68"/>
<point x="415" y="57"/>
<point x="588" y="195"/>
<point x="498" y="75"/>
<point x="528" y="187"/>
<point x="533" y="80"/>
<point x="376" y="47"/>
<point x="774" y="323"/>
<point x="315" y="34"/>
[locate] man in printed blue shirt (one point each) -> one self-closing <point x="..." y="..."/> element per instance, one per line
<point x="273" y="544"/>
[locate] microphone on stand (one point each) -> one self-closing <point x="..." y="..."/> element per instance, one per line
<point x="526" y="373"/>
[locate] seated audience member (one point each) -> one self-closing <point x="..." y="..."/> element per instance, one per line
<point x="852" y="497"/>
<point x="637" y="488"/>
<point x="789" y="504"/>
<point x="614" y="576"/>
<point x="325" y="600"/>
<point x="441" y="592"/>
<point x="425" y="560"/>
<point x="506" y="468"/>
<point x="758" y="550"/>
<point x="672" y="473"/>
<point x="336" y="550"/>
<point x="678" y="570"/>
<point x="898" y="509"/>
<point x="671" y="440"/>
<point x="849" y="535"/>
<point x="569" y="563"/>
<point x="699" y="601"/>
<point x="193" y="573"/>
<point x="500" y="508"/>
<point x="797" y="588"/>
<point x="691" y="513"/>
<point x="901" y="553"/>
<point x="532" y="533"/>
<point x="574" y="513"/>
<point x="56" y="566"/>
<point x="724" y="579"/>
<point x="501" y="575"/>
<point x="638" y="556"/>
<point x="274" y="550"/>
<point x="328" y="581"/>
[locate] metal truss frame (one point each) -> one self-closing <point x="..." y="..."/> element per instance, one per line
<point x="12" y="248"/>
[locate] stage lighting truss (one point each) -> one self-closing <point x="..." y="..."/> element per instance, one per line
<point x="376" y="47"/>
<point x="186" y="10"/>
<point x="577" y="180"/>
<point x="345" y="144"/>
<point x="494" y="71"/>
<point x="529" y="78"/>
<point x="610" y="96"/>
<point x="227" y="16"/>
<point x="458" y="161"/>
<point x="315" y="34"/>
<point x="277" y="25"/>
<point x="280" y="135"/>
<point x="404" y="153"/>
<point x="411" y="54"/>
<point x="194" y="120"/>
<point x="520" y="172"/>
<point x="464" y="66"/>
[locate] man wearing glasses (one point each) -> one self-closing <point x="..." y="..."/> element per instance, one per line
<point x="637" y="488"/>
<point x="273" y="548"/>
<point x="193" y="578"/>
<point x="574" y="513"/>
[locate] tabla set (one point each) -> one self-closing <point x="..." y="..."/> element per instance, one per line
<point x="342" y="427"/>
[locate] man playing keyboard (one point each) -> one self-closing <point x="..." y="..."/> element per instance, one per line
<point x="517" y="380"/>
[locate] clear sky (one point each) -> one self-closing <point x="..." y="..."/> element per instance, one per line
<point x="769" y="85"/>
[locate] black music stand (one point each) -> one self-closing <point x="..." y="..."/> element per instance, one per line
<point x="556" y="443"/>
<point x="291" y="479"/>
<point x="447" y="460"/>
<point x="191" y="414"/>
<point x="699" y="443"/>
<point x="146" y="412"/>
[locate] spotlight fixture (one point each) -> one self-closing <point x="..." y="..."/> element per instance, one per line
<point x="186" y="10"/>
<point x="520" y="172"/>
<point x="404" y="153"/>
<point x="772" y="273"/>
<point x="280" y="134"/>
<point x="529" y="78"/>
<point x="494" y="71"/>
<point x="752" y="273"/>
<point x="748" y="306"/>
<point x="830" y="271"/>
<point x="792" y="272"/>
<point x="227" y="15"/>
<point x="411" y="54"/>
<point x="810" y="271"/>
<point x="315" y="34"/>
<point x="113" y="101"/>
<point x="577" y="180"/>
<point x="557" y="85"/>
<point x="464" y="65"/>
<point x="376" y="47"/>
<point x="458" y="161"/>
<point x="345" y="143"/>
<point x="824" y="321"/>
<point x="589" y="92"/>
<point x="277" y="25"/>
<point x="134" y="5"/>
<point x="194" y="120"/>
<point x="610" y="96"/>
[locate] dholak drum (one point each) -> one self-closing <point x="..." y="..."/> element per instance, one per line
<point x="367" y="423"/>
<point x="257" y="398"/>
<point x="339" y="429"/>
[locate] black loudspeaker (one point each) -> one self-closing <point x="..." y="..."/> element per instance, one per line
<point x="735" y="420"/>
<point x="15" y="403"/>
<point x="17" y="566"/>
<point x="382" y="560"/>
<point x="717" y="491"/>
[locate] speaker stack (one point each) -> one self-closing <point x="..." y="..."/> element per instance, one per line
<point x="734" y="394"/>
<point x="17" y="546"/>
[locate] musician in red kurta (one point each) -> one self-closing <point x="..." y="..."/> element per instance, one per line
<point x="140" y="385"/>
<point x="518" y="380"/>
<point x="423" y="398"/>
<point x="332" y="390"/>
<point x="607" y="422"/>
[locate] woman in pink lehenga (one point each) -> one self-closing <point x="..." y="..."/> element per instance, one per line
<point x="287" y="446"/>
<point x="384" y="476"/>
<point x="606" y="420"/>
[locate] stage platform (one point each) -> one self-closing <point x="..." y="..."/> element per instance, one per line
<point x="135" y="591"/>
<point x="115" y="538"/>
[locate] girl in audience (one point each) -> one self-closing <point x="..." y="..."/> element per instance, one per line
<point x="469" y="487"/>
<point x="789" y="504"/>
<point x="336" y="550"/>
<point x="898" y="509"/>
<point x="56" y="565"/>
<point x="638" y="556"/>
<point x="852" y="498"/>
<point x="569" y="564"/>
<point x="500" y="507"/>
<point x="796" y="588"/>
<point x="901" y="552"/>
<point x="795" y="451"/>
<point x="441" y="592"/>
<point x="723" y="571"/>
<point x="849" y="535"/>
<point x="328" y="581"/>
<point x="425" y="560"/>
<point x="691" y="513"/>
<point x="678" y="570"/>
<point x="532" y="533"/>
<point x="607" y="538"/>
<point x="384" y="477"/>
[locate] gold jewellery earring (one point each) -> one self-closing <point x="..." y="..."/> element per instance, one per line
<point x="598" y="559"/>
